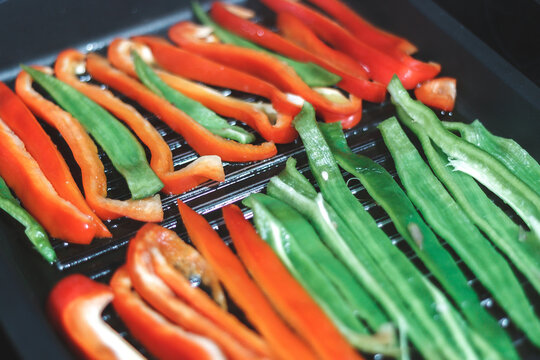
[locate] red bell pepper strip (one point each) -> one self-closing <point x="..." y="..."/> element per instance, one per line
<point x="156" y="292"/>
<point x="363" y="30"/>
<point x="23" y="175"/>
<point x="439" y="93"/>
<point x="160" y="337"/>
<point x="279" y="132"/>
<point x="75" y="305"/>
<point x="356" y="83"/>
<point x="195" y="67"/>
<point x="36" y="141"/>
<point x="332" y="108"/>
<point x="176" y="182"/>
<point x="380" y="66"/>
<point x="287" y="295"/>
<point x="284" y="342"/>
<point x="184" y="264"/>
<point x="199" y="138"/>
<point x="86" y="155"/>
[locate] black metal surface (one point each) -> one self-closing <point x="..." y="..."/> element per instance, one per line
<point x="488" y="88"/>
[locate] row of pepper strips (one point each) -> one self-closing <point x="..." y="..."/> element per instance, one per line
<point x="209" y="54"/>
<point x="154" y="296"/>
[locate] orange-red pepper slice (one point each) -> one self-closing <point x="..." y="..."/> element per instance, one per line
<point x="284" y="342"/>
<point x="280" y="132"/>
<point x="439" y="93"/>
<point x="354" y="82"/>
<point x="159" y="336"/>
<point x="200" y="139"/>
<point x="86" y="155"/>
<point x="153" y="290"/>
<point x="20" y="120"/>
<point x="75" y="305"/>
<point x="286" y="294"/>
<point x="268" y="68"/>
<point x="176" y="182"/>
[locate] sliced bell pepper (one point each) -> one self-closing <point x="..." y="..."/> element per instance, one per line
<point x="355" y="83"/>
<point x="36" y="141"/>
<point x="125" y="152"/>
<point x="285" y="293"/>
<point x="33" y="230"/>
<point x="162" y="338"/>
<point x="195" y="67"/>
<point x="272" y="125"/>
<point x="330" y="103"/>
<point x="86" y="155"/>
<point x="200" y="139"/>
<point x="258" y="309"/>
<point x="363" y="30"/>
<point x="380" y="65"/>
<point x="175" y="182"/>
<point x="439" y="93"/>
<point x="22" y="173"/>
<point x="75" y="305"/>
<point x="156" y="292"/>
<point x="312" y="74"/>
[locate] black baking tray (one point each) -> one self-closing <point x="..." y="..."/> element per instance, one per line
<point x="31" y="32"/>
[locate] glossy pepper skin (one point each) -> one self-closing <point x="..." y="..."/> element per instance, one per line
<point x="74" y="306"/>
<point x="200" y="139"/>
<point x="258" y="308"/>
<point x="195" y="67"/>
<point x="33" y="230"/>
<point x="126" y="153"/>
<point x="20" y="120"/>
<point x="380" y="65"/>
<point x="294" y="304"/>
<point x="85" y="153"/>
<point x="22" y="174"/>
<point x="175" y="182"/>
<point x="158" y="294"/>
<point x="266" y="67"/>
<point x="356" y="83"/>
<point x="162" y="338"/>
<point x="272" y="125"/>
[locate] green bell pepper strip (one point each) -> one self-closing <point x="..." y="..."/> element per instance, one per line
<point x="120" y="145"/>
<point x="194" y="109"/>
<point x="386" y="192"/>
<point x="443" y="338"/>
<point x="33" y="230"/>
<point x="313" y="265"/>
<point x="447" y="219"/>
<point x="313" y="75"/>
<point x="469" y="159"/>
<point x="507" y="151"/>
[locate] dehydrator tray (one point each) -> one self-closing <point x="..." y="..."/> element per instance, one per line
<point x="488" y="89"/>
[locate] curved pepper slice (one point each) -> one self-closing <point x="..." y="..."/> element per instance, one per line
<point x="256" y="115"/>
<point x="330" y="103"/>
<point x="380" y="65"/>
<point x="200" y="139"/>
<point x="36" y="141"/>
<point x="439" y="93"/>
<point x="363" y="30"/>
<point x="162" y="298"/>
<point x="162" y="338"/>
<point x="356" y="83"/>
<point x="75" y="306"/>
<point x="184" y="266"/>
<point x="258" y="309"/>
<point x="176" y="182"/>
<point x="86" y="155"/>
<point x="195" y="67"/>
<point x="22" y="173"/>
<point x="294" y="304"/>
<point x="125" y="152"/>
